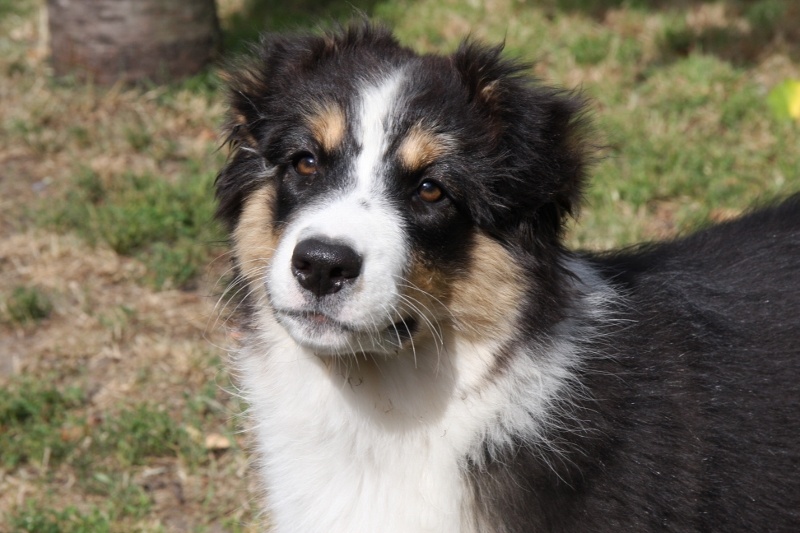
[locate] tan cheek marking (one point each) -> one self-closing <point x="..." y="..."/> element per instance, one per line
<point x="421" y="148"/>
<point x="328" y="126"/>
<point x="255" y="237"/>
<point x="485" y="302"/>
<point x="481" y="304"/>
<point x="427" y="291"/>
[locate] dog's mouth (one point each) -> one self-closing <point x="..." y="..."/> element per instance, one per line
<point x="404" y="329"/>
<point x="329" y="335"/>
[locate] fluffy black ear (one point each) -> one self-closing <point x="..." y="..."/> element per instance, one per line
<point x="253" y="81"/>
<point x="538" y="136"/>
<point x="278" y="65"/>
<point x="266" y="90"/>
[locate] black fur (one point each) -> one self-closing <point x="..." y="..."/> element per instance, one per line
<point x="692" y="419"/>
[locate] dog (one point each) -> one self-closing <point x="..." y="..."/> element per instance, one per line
<point x="422" y="353"/>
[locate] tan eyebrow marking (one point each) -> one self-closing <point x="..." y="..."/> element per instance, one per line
<point x="421" y="147"/>
<point x="328" y="126"/>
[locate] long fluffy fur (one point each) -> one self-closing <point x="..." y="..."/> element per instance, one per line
<point x="473" y="375"/>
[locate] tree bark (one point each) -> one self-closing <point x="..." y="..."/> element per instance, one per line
<point x="107" y="41"/>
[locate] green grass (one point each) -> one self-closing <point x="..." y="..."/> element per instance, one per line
<point x="243" y="27"/>
<point x="168" y="225"/>
<point x="14" y="7"/>
<point x="40" y="423"/>
<point x="591" y="49"/>
<point x="124" y="505"/>
<point x="50" y="428"/>
<point x="27" y="305"/>
<point x="142" y="432"/>
<point x="33" y="519"/>
<point x="35" y="419"/>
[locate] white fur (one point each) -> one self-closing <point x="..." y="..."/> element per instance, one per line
<point x="377" y="104"/>
<point x="358" y="445"/>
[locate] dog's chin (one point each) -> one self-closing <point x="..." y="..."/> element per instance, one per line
<point x="329" y="337"/>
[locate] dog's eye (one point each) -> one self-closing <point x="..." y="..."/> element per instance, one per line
<point x="429" y="191"/>
<point x="305" y="164"/>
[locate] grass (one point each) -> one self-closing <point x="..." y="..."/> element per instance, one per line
<point x="34" y="422"/>
<point x="112" y="391"/>
<point x="52" y="430"/>
<point x="27" y="305"/>
<point x="168" y="225"/>
<point x="70" y="520"/>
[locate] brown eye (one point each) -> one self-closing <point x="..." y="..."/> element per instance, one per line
<point x="306" y="165"/>
<point x="430" y="192"/>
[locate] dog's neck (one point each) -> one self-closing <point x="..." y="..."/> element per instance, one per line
<point x="369" y="430"/>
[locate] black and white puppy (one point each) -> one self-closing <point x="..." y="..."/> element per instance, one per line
<point x="422" y="354"/>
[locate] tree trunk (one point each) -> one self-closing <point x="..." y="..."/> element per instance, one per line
<point x="107" y="41"/>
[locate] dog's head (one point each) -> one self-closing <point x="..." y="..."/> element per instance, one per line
<point x="376" y="196"/>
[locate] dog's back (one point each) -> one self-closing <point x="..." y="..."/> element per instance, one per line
<point x="689" y="421"/>
<point x="717" y="330"/>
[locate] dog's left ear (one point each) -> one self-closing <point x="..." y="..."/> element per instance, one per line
<point x="537" y="133"/>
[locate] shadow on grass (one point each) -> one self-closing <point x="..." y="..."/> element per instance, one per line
<point x="749" y="29"/>
<point x="258" y="16"/>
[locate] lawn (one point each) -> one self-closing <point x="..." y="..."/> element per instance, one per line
<point x="116" y="410"/>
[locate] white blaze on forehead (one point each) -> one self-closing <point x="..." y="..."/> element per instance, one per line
<point x="378" y="104"/>
<point x="361" y="217"/>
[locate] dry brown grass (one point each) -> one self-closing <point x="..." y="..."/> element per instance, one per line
<point x="118" y="339"/>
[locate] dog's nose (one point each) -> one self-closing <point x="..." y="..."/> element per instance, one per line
<point x="324" y="267"/>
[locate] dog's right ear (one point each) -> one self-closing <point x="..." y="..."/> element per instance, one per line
<point x="250" y="84"/>
<point x="261" y="87"/>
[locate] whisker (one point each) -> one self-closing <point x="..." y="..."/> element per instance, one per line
<point x="410" y="338"/>
<point x="239" y="277"/>
<point x="250" y="291"/>
<point x="393" y="322"/>
<point x="435" y="331"/>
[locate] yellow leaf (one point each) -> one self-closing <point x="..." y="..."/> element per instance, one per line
<point x="784" y="99"/>
<point x="794" y="100"/>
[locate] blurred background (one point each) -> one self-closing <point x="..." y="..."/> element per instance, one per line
<point x="116" y="411"/>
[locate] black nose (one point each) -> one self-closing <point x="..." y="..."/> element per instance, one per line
<point x="324" y="267"/>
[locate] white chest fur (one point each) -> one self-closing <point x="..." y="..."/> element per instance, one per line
<point x="357" y="446"/>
